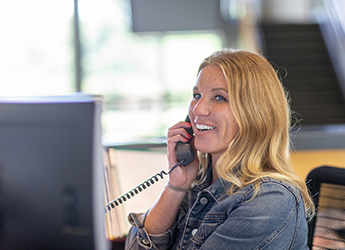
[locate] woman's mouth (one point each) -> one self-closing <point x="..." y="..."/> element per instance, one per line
<point x="203" y="128"/>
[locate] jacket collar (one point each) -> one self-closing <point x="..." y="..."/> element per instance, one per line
<point x="218" y="190"/>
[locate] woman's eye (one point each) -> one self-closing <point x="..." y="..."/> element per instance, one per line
<point x="196" y="96"/>
<point x="220" y="98"/>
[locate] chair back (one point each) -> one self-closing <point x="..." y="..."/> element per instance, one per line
<point x="327" y="187"/>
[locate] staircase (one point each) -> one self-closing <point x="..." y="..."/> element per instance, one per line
<point x="316" y="96"/>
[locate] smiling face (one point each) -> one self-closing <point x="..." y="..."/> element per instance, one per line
<point x="213" y="121"/>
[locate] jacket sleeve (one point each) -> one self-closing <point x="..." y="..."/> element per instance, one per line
<point x="139" y="239"/>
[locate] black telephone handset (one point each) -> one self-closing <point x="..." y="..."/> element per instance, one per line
<point x="185" y="151"/>
<point x="185" y="155"/>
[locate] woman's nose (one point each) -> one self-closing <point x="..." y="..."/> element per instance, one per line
<point x="201" y="108"/>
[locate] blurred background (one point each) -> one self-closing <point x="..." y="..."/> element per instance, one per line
<point x="143" y="55"/>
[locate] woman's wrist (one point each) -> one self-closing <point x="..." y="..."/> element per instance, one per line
<point x="178" y="189"/>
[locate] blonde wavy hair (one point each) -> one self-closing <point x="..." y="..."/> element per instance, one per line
<point x="261" y="108"/>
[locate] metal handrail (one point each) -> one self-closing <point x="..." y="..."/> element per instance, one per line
<point x="333" y="29"/>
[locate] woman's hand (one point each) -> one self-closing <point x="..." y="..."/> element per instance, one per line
<point x="181" y="176"/>
<point x="162" y="214"/>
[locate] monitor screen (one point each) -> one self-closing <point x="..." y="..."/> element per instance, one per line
<point x="51" y="190"/>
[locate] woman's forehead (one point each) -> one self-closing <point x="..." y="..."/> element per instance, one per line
<point x="211" y="76"/>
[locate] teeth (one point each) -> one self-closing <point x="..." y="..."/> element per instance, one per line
<point x="204" y="127"/>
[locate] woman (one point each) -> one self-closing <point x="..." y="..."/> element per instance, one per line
<point x="241" y="191"/>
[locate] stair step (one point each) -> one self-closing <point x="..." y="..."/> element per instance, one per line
<point x="317" y="98"/>
<point x="294" y="37"/>
<point x="290" y="49"/>
<point x="303" y="85"/>
<point x="293" y="60"/>
<point x="320" y="114"/>
<point x="287" y="28"/>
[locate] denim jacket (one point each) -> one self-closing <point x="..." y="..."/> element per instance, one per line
<point x="210" y="219"/>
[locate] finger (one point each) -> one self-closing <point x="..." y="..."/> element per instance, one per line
<point x="178" y="133"/>
<point x="179" y="128"/>
<point x="181" y="125"/>
<point x="172" y="141"/>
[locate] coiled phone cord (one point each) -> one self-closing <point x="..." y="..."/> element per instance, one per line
<point x="118" y="201"/>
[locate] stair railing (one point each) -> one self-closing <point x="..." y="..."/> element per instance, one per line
<point x="332" y="24"/>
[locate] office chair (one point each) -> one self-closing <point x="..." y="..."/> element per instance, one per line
<point x="327" y="187"/>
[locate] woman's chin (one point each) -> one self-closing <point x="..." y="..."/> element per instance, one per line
<point x="202" y="149"/>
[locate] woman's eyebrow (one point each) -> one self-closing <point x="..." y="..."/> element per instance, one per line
<point x="222" y="89"/>
<point x="213" y="90"/>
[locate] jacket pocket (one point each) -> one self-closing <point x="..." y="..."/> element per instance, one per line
<point x="207" y="227"/>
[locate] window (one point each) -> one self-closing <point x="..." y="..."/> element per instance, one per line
<point x="146" y="80"/>
<point x="36" y="47"/>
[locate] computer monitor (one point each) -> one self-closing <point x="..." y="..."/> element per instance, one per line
<point x="51" y="173"/>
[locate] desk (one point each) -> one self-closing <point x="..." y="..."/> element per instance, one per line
<point x="118" y="244"/>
